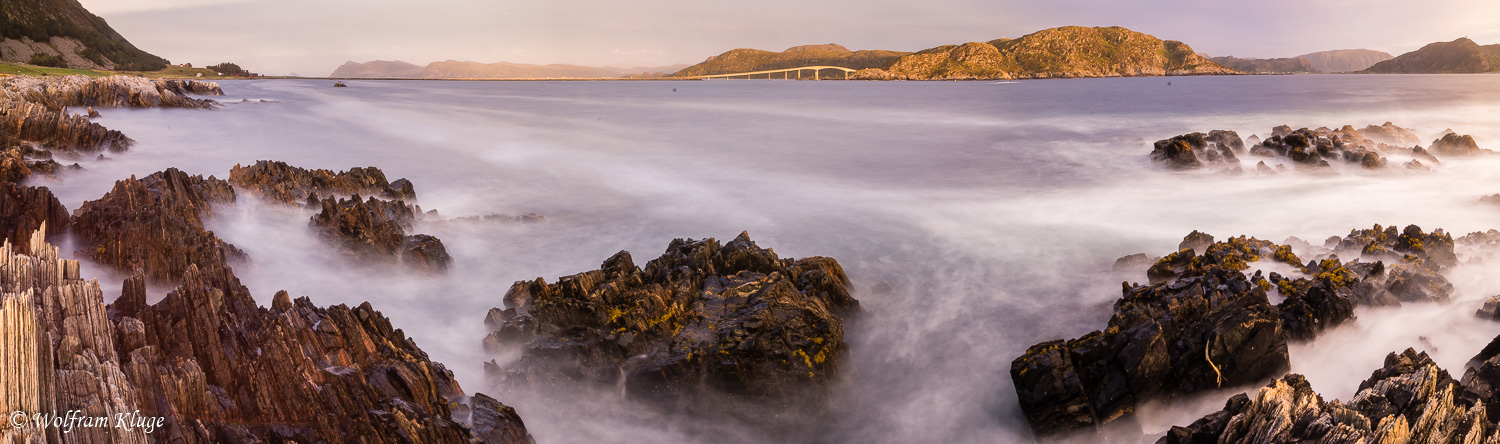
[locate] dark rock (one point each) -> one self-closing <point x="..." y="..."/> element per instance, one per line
<point x="374" y="231"/>
<point x="1201" y="325"/>
<point x="1195" y="150"/>
<point x="703" y="318"/>
<point x="425" y="253"/>
<point x="24" y="210"/>
<point x="155" y="225"/>
<point x="279" y="182"/>
<point x="1490" y="309"/>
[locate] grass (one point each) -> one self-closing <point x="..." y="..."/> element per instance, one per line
<point x="171" y="72"/>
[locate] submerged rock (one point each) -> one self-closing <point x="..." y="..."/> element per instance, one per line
<point x="154" y="225"/>
<point x="703" y="318"/>
<point x="1306" y="149"/>
<point x="1390" y="134"/>
<point x="1410" y="399"/>
<point x="280" y="182"/>
<point x="218" y="368"/>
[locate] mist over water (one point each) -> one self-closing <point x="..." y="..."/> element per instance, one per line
<point x="975" y="219"/>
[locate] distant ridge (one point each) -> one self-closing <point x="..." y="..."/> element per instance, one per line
<point x="1345" y="60"/>
<point x="1065" y="52"/>
<point x="746" y="60"/>
<point x="1280" y="65"/>
<point x="454" y="69"/>
<point x="1460" y="56"/>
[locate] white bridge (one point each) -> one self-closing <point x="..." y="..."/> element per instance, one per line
<point x="785" y="73"/>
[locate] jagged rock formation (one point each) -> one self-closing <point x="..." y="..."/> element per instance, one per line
<point x="365" y="230"/>
<point x="747" y="60"/>
<point x="35" y="123"/>
<point x="1306" y="149"/>
<point x="1065" y="52"/>
<point x="24" y="210"/>
<point x="375" y="230"/>
<point x="80" y="39"/>
<point x="1410" y="399"/>
<point x="1203" y="323"/>
<point x="704" y="317"/>
<point x="215" y="367"/>
<point x="1344" y="60"/>
<point x="155" y="225"/>
<point x="278" y="182"/>
<point x="1458" y="56"/>
<point x="1279" y="65"/>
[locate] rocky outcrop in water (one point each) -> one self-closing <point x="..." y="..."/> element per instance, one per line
<point x="1452" y="144"/>
<point x="374" y="230"/>
<point x="154" y="225"/>
<point x="215" y="367"/>
<point x="279" y="182"/>
<point x="703" y="318"/>
<point x="1409" y="399"/>
<point x="1305" y="149"/>
<point x="1204" y="323"/>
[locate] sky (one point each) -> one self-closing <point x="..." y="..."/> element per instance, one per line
<point x="313" y="37"/>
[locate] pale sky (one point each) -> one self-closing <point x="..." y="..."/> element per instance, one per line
<point x="312" y="37"/>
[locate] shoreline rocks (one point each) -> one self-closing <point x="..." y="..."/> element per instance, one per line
<point x="1409" y="399"/>
<point x="217" y="367"/>
<point x="279" y="182"/>
<point x="703" y="318"/>
<point x="154" y="225"/>
<point x="1309" y="150"/>
<point x="1205" y="322"/>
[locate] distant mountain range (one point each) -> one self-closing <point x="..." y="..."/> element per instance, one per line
<point x="1458" y="56"/>
<point x="453" y="69"/>
<point x="62" y="33"/>
<point x="1281" y="65"/>
<point x="747" y="60"/>
<point x="1344" y="60"/>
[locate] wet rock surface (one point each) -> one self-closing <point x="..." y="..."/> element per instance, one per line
<point x="703" y="318"/>
<point x="1452" y="144"/>
<point x="1409" y="399"/>
<point x="218" y="368"/>
<point x="1196" y="150"/>
<point x="154" y="225"/>
<point x="279" y="182"/>
<point x="1205" y="321"/>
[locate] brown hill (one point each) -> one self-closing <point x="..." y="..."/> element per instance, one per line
<point x="1458" y="56"/>
<point x="62" y="33"/>
<point x="747" y="60"/>
<point x="1070" y="51"/>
